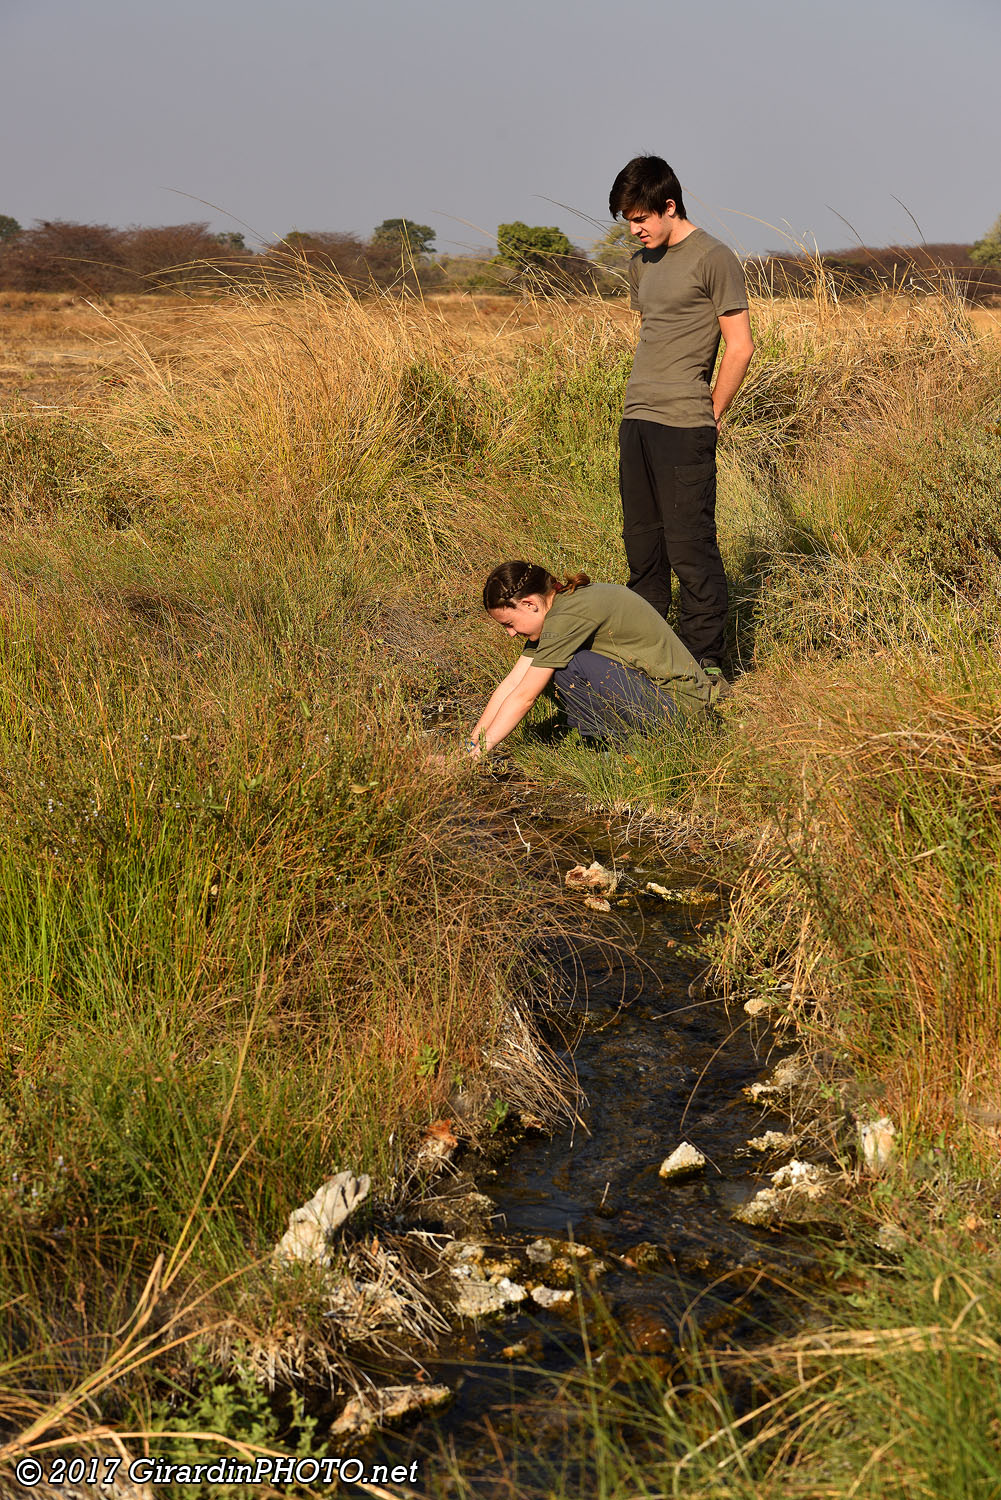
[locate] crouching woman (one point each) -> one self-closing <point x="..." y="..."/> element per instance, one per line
<point x="602" y="651"/>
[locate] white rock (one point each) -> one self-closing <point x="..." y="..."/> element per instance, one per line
<point x="688" y="895"/>
<point x="798" y="1192"/>
<point x="661" y="891"/>
<point x="394" y="1403"/>
<point x="682" y="1162"/>
<point x="755" y="1007"/>
<point x="772" y="1140"/>
<point x="878" y="1143"/>
<point x="483" y="1299"/>
<point x="549" y="1296"/>
<point x="597" y="903"/>
<point x="312" y="1226"/>
<point x="800" y="1174"/>
<point x="463" y="1252"/>
<point x="539" y="1252"/>
<point x="762" y="1209"/>
<point x="594" y="877"/>
<point x="790" y="1074"/>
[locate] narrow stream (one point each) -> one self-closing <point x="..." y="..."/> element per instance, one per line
<point x="658" y="1062"/>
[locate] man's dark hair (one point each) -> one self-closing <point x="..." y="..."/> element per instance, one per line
<point x="644" y="185"/>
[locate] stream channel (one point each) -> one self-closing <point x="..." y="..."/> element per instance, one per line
<point x="658" y="1062"/>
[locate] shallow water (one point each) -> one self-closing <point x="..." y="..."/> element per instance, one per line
<point x="658" y="1062"/>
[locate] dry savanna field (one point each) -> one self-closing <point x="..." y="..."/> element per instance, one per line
<point x="241" y="543"/>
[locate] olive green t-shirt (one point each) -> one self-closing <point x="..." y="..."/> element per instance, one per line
<point x="682" y="291"/>
<point x="619" y="624"/>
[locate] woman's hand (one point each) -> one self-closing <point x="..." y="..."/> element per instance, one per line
<point x="453" y="759"/>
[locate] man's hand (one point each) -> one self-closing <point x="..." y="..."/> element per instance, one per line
<point x="737" y="352"/>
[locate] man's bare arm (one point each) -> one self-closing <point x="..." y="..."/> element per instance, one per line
<point x="737" y="352"/>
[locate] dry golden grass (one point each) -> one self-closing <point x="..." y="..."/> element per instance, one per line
<point x="249" y="539"/>
<point x="61" y="349"/>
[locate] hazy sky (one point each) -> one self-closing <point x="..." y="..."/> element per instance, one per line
<point x="322" y="114"/>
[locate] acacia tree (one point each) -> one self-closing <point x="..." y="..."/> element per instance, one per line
<point x="987" y="251"/>
<point x="527" y="245"/>
<point x="404" y="234"/>
<point x="616" y="247"/>
<point x="9" y="227"/>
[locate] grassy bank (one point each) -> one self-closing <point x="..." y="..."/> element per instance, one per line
<point x="250" y="937"/>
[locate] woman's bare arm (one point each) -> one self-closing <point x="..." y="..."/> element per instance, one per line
<point x="504" y="687"/>
<point x="509" y="703"/>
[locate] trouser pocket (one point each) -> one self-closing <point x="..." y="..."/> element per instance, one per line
<point x="693" y="512"/>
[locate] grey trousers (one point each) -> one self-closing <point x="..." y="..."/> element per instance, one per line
<point x="604" y="700"/>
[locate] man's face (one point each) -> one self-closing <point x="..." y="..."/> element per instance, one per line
<point x="652" y="230"/>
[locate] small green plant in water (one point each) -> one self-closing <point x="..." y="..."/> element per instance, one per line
<point x="497" y="1114"/>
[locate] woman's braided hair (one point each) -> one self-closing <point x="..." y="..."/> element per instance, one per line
<point x="512" y="581"/>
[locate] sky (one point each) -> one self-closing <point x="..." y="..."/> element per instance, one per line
<point x="777" y="115"/>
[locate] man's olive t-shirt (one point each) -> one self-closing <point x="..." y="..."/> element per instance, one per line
<point x="619" y="624"/>
<point x="682" y="291"/>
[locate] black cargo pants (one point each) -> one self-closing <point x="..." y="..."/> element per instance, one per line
<point x="667" y="479"/>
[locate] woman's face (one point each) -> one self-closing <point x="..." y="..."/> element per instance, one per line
<point x="522" y="618"/>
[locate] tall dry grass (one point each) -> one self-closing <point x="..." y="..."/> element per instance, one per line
<point x="232" y="574"/>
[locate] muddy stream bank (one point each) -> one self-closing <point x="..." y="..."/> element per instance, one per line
<point x="658" y="1062"/>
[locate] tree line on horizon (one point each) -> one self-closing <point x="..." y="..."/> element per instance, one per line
<point x="99" y="260"/>
<point x="65" y="256"/>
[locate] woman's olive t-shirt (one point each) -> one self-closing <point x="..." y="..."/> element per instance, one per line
<point x="619" y="624"/>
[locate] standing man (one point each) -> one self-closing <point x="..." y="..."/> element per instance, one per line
<point x="689" y="289"/>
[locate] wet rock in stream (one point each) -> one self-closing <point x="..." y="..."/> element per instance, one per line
<point x="546" y="1271"/>
<point x="684" y="1161"/>
<point x="386" y="1407"/>
<point x="772" y="1141"/>
<point x="594" y="878"/>
<point x="801" y="1193"/>
<point x="789" y="1080"/>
